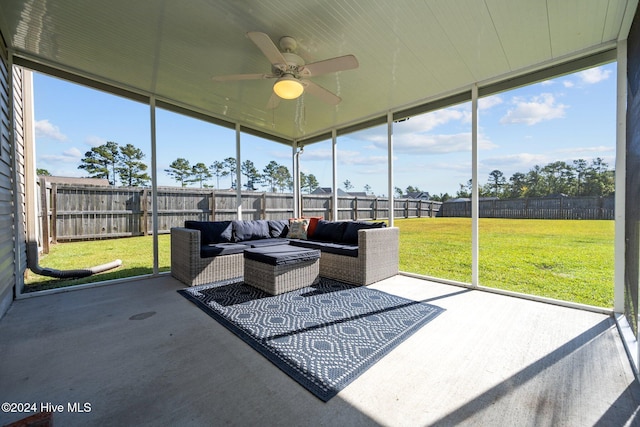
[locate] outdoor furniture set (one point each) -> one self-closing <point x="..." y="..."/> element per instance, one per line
<point x="282" y="255"/>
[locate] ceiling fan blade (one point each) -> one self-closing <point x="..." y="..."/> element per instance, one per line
<point x="341" y="63"/>
<point x="268" y="48"/>
<point x="273" y="102"/>
<point x="235" y="77"/>
<point x="321" y="93"/>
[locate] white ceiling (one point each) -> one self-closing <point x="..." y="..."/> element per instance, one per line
<point x="410" y="52"/>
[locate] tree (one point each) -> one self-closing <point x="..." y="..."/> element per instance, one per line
<point x="412" y="189"/>
<point x="200" y="173"/>
<point x="230" y="168"/>
<point x="101" y="161"/>
<point x="284" y="178"/>
<point x="270" y="176"/>
<point x="218" y="170"/>
<point x="180" y="170"/>
<point x="367" y="189"/>
<point x="580" y="166"/>
<point x="465" y="190"/>
<point x="42" y="172"/>
<point x="347" y="185"/>
<point x="517" y="185"/>
<point x="131" y="169"/>
<point x="496" y="181"/>
<point x="397" y="191"/>
<point x="251" y="172"/>
<point x="308" y="182"/>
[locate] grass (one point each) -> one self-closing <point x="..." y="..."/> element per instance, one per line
<point x="570" y="260"/>
<point x="563" y="259"/>
<point x="136" y="254"/>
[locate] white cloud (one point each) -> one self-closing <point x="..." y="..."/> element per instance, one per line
<point x="568" y="83"/>
<point x="95" y="141"/>
<point x="439" y="144"/>
<point x="521" y="162"/>
<point x="45" y="129"/>
<point x="593" y="75"/>
<point x="489" y="102"/>
<point x="429" y="121"/>
<point x="538" y="109"/>
<point x="72" y="155"/>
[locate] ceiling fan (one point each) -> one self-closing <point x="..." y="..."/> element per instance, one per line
<point x="291" y="71"/>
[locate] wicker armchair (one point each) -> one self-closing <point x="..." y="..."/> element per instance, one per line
<point x="378" y="253"/>
<point x="189" y="268"/>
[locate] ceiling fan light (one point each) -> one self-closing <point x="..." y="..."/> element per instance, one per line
<point x="288" y="87"/>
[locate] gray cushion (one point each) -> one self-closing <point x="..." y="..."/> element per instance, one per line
<point x="281" y="255"/>
<point x="250" y="230"/>
<point x="219" y="249"/>
<point x="328" y="247"/>
<point x="351" y="230"/>
<point x="278" y="227"/>
<point x="265" y="242"/>
<point x="211" y="231"/>
<point x="329" y="231"/>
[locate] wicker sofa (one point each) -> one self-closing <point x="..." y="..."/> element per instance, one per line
<point x="205" y="252"/>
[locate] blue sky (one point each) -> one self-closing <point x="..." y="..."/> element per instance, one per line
<point x="567" y="118"/>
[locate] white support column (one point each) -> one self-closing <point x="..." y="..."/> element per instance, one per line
<point x="620" y="177"/>
<point x="334" y="157"/>
<point x="390" y="167"/>
<point x="154" y="183"/>
<point x="238" y="175"/>
<point x="474" y="185"/>
<point x="296" y="179"/>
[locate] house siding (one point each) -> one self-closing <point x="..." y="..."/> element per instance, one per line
<point x="12" y="217"/>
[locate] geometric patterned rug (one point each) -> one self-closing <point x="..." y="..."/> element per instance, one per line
<point x="323" y="336"/>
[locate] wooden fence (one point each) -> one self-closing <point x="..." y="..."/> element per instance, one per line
<point x="74" y="212"/>
<point x="591" y="207"/>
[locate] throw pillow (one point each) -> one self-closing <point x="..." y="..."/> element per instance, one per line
<point x="298" y="228"/>
<point x="350" y="235"/>
<point x="329" y="231"/>
<point x="250" y="230"/>
<point x="278" y="227"/>
<point x="211" y="231"/>
<point x="313" y="223"/>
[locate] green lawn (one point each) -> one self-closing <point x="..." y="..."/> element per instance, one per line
<point x="570" y="260"/>
<point x="136" y="254"/>
<point x="562" y="259"/>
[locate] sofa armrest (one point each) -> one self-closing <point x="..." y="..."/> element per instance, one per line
<point x="379" y="249"/>
<point x="185" y="252"/>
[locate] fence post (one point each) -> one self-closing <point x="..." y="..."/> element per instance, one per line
<point x="53" y="205"/>
<point x="355" y="208"/>
<point x="420" y="208"/>
<point x="375" y="208"/>
<point x="45" y="215"/>
<point x="263" y="206"/>
<point x="143" y="205"/>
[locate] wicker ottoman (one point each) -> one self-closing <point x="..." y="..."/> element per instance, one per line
<point x="279" y="269"/>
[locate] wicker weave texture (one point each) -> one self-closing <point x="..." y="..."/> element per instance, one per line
<point x="377" y="258"/>
<point x="278" y="279"/>
<point x="190" y="269"/>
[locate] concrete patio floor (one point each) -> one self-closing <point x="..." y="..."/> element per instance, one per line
<point x="140" y="354"/>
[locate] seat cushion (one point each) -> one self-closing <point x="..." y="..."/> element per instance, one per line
<point x="211" y="232"/>
<point x="329" y="247"/>
<point x="265" y="242"/>
<point x="281" y="255"/>
<point x="219" y="249"/>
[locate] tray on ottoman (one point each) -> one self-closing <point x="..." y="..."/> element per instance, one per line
<point x="279" y="269"/>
